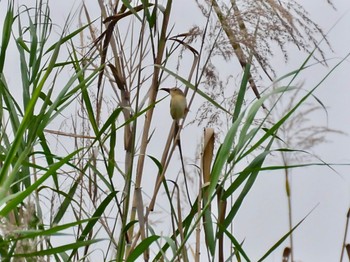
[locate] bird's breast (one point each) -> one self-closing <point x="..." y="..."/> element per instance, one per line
<point x="177" y="107"/>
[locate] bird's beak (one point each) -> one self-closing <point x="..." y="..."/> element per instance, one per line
<point x="166" y="89"/>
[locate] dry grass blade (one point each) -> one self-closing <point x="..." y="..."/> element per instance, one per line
<point x="106" y="36"/>
<point x="207" y="157"/>
<point x="125" y="103"/>
<point x="235" y="44"/>
<point x="344" y="246"/>
<point x="198" y="229"/>
<point x="118" y="77"/>
<point x="139" y="207"/>
<point x="347" y="247"/>
<point x="122" y="14"/>
<point x="193" y="50"/>
<point x="222" y="204"/>
<point x="286" y="254"/>
<point x="242" y="27"/>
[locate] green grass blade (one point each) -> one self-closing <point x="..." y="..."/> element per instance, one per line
<point x="140" y="248"/>
<point x="237" y="245"/>
<point x="251" y="177"/>
<point x="241" y="93"/>
<point x="6" y="34"/>
<point x="66" y="202"/>
<point x="23" y="234"/>
<point x="22" y="195"/>
<point x="95" y="217"/>
<point x="279" y="242"/>
<point x="197" y="90"/>
<point x="111" y="155"/>
<point x="223" y="155"/>
<point x="60" y="249"/>
<point x="68" y="37"/>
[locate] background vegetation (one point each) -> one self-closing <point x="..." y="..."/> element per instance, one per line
<point x="89" y="170"/>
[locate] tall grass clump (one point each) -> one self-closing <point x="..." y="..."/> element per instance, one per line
<point x="36" y="95"/>
<point x="87" y="169"/>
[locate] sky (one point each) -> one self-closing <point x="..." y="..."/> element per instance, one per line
<point x="263" y="217"/>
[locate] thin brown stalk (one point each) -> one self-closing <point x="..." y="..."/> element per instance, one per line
<point x="198" y="227"/>
<point x="347" y="247"/>
<point x="345" y="236"/>
<point x="137" y="201"/>
<point x="152" y="98"/>
<point x="290" y="210"/>
<point x="286" y="254"/>
<point x="222" y="204"/>
<point x="180" y="226"/>
<point x="245" y="35"/>
<point x="235" y="44"/>
<point x="74" y="135"/>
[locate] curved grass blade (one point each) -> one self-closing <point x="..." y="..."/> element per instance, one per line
<point x="6" y="34"/>
<point x="237" y="245"/>
<point x="97" y="214"/>
<point x="141" y="248"/>
<point x="60" y="249"/>
<point x="279" y="242"/>
<point x="22" y="195"/>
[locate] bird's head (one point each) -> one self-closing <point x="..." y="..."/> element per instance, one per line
<point x="173" y="91"/>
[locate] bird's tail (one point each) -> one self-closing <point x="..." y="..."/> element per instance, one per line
<point x="176" y="131"/>
<point x="177" y="141"/>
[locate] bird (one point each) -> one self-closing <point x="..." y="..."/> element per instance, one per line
<point x="178" y="103"/>
<point x="178" y="109"/>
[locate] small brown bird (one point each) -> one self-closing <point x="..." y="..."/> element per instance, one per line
<point x="178" y="103"/>
<point x="178" y="109"/>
